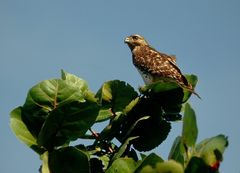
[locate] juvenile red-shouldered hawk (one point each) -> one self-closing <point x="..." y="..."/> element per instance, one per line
<point x="153" y="65"/>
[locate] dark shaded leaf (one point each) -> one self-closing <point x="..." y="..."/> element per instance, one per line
<point x="68" y="122"/>
<point x="152" y="132"/>
<point x="197" y="165"/>
<point x="68" y="160"/>
<point x="96" y="165"/>
<point x="169" y="92"/>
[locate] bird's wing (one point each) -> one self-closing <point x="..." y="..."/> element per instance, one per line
<point x="168" y="64"/>
<point x="173" y="59"/>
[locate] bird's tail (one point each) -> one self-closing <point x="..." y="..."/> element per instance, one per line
<point x="190" y="88"/>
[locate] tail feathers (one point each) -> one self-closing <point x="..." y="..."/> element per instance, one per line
<point x="196" y="94"/>
<point x="190" y="88"/>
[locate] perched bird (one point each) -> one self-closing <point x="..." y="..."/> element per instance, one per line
<point x="153" y="65"/>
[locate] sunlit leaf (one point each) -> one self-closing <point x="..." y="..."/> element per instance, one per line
<point x="44" y="98"/>
<point x="116" y="94"/>
<point x="20" y="129"/>
<point x="151" y="160"/>
<point x="170" y="166"/>
<point x="190" y="130"/>
<point x="212" y="149"/>
<point x="75" y="81"/>
<point x="123" y="148"/>
<point x="192" y="79"/>
<point x="122" y="165"/>
<point x="104" y="114"/>
<point x="176" y="151"/>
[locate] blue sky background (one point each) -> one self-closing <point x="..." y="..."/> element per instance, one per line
<point x="39" y="38"/>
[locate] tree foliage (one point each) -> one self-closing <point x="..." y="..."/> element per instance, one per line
<point x="59" y="111"/>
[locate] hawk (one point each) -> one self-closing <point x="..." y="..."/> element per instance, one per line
<point x="155" y="66"/>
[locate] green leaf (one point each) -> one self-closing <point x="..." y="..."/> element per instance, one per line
<point x="148" y="169"/>
<point x="212" y="149"/>
<point x="122" y="165"/>
<point x="68" y="160"/>
<point x="116" y="95"/>
<point x="176" y="152"/>
<point x="104" y="114"/>
<point x="68" y="122"/>
<point x="151" y="160"/>
<point x="131" y="105"/>
<point x="152" y="132"/>
<point x="197" y="165"/>
<point x="44" y="98"/>
<point x="96" y="165"/>
<point x="45" y="167"/>
<point x="170" y="166"/>
<point x="123" y="148"/>
<point x="167" y="93"/>
<point x="159" y="87"/>
<point x="75" y="81"/>
<point x="190" y="130"/>
<point x="105" y="161"/>
<point x="192" y="79"/>
<point x="20" y="129"/>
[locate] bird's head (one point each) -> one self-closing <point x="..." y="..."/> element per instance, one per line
<point x="135" y="40"/>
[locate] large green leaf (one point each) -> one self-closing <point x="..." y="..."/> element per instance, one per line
<point x="212" y="149"/>
<point x="20" y="129"/>
<point x="75" y="81"/>
<point x="68" y="122"/>
<point x="151" y="160"/>
<point x="68" y="160"/>
<point x="44" y="98"/>
<point x="152" y="132"/>
<point x="116" y="95"/>
<point x="190" y="130"/>
<point x="122" y="165"/>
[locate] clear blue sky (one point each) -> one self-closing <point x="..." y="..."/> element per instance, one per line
<point x="38" y="38"/>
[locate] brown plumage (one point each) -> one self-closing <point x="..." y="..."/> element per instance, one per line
<point x="153" y="65"/>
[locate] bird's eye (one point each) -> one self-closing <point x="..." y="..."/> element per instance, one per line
<point x="135" y="37"/>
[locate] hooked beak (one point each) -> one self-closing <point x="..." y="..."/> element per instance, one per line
<point x="127" y="40"/>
